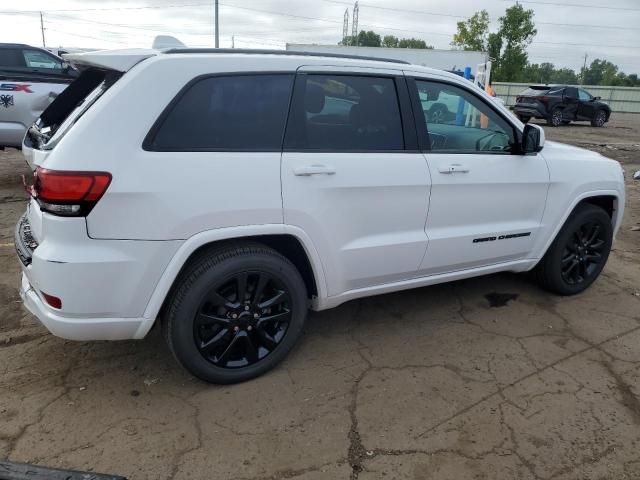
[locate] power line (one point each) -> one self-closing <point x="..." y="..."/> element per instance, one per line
<point x="576" y="5"/>
<point x="148" y="7"/>
<point x="421" y="12"/>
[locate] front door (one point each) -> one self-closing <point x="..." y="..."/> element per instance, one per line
<point x="486" y="203"/>
<point x="586" y="107"/>
<point x="353" y="178"/>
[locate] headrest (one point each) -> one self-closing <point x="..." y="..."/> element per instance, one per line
<point x="314" y="98"/>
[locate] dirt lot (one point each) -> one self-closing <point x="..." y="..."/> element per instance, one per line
<point x="433" y="383"/>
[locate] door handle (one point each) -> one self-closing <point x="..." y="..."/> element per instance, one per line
<point x="455" y="168"/>
<point x="314" y="170"/>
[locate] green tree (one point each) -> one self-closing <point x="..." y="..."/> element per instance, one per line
<point x="517" y="31"/>
<point x="390" y="41"/>
<point x="474" y="33"/>
<point x="413" y="43"/>
<point x="565" y="76"/>
<point x="507" y="47"/>
<point x="372" y="39"/>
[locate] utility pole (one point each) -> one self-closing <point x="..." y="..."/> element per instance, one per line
<point x="233" y="41"/>
<point x="217" y="26"/>
<point x="44" y="45"/>
<point x="345" y="27"/>
<point x="584" y="70"/>
<point x="354" y="24"/>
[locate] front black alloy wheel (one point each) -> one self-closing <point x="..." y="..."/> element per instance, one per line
<point x="235" y="313"/>
<point x="579" y="252"/>
<point x="600" y="119"/>
<point x="582" y="254"/>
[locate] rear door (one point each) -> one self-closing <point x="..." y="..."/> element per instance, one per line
<point x="486" y="203"/>
<point x="352" y="176"/>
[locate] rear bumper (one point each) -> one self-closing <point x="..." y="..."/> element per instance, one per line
<point x="104" y="285"/>
<point x="77" y="328"/>
<point x="529" y="111"/>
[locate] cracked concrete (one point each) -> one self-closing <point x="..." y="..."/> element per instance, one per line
<point x="427" y="384"/>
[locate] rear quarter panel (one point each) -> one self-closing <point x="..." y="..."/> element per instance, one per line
<point x="167" y="195"/>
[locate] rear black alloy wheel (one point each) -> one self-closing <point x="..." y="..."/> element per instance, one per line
<point x="578" y="253"/>
<point x="242" y="320"/>
<point x="600" y="119"/>
<point x="235" y="312"/>
<point x="556" y="118"/>
<point x="582" y="255"/>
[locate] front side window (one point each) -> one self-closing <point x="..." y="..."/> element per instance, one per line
<point x="459" y="121"/>
<point x="345" y="113"/>
<point x="584" y="95"/>
<point x="242" y="112"/>
<point x="36" y="59"/>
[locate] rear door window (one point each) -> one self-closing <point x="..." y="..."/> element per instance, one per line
<point x="345" y="113"/>
<point x="226" y="113"/>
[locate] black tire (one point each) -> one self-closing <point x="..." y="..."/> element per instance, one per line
<point x="216" y="333"/>
<point x="555" y="119"/>
<point x="524" y="118"/>
<point x="567" y="269"/>
<point x="599" y="119"/>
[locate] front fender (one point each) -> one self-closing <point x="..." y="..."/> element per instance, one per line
<point x="204" y="238"/>
<point x="546" y="240"/>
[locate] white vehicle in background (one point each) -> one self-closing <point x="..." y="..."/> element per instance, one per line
<point x="222" y="194"/>
<point x="30" y="78"/>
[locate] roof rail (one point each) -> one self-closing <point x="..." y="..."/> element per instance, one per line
<point x="282" y="52"/>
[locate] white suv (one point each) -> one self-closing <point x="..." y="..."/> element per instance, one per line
<point x="224" y="193"/>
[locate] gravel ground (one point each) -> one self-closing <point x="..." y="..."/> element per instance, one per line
<point x="433" y="383"/>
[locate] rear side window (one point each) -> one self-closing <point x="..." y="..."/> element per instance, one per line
<point x="228" y="113"/>
<point x="544" y="91"/>
<point x="345" y="113"/>
<point x="11" y="57"/>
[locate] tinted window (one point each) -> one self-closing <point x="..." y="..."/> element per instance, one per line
<point x="228" y="113"/>
<point x="539" y="91"/>
<point x="457" y="120"/>
<point x="36" y="59"/>
<point x="10" y="57"/>
<point x="584" y="95"/>
<point x="571" y="92"/>
<point x="345" y="113"/>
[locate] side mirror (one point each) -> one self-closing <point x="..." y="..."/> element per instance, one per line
<point x="597" y="98"/>
<point x="532" y="139"/>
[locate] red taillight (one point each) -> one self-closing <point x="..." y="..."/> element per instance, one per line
<point x="519" y="99"/>
<point x="55" y="302"/>
<point x="544" y="98"/>
<point x="69" y="193"/>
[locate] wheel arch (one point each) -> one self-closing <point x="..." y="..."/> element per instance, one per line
<point x="609" y="200"/>
<point x="291" y="242"/>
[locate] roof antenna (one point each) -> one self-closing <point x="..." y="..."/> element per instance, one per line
<point x="166" y="41"/>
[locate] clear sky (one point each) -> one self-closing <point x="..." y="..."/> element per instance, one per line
<point x="567" y="29"/>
